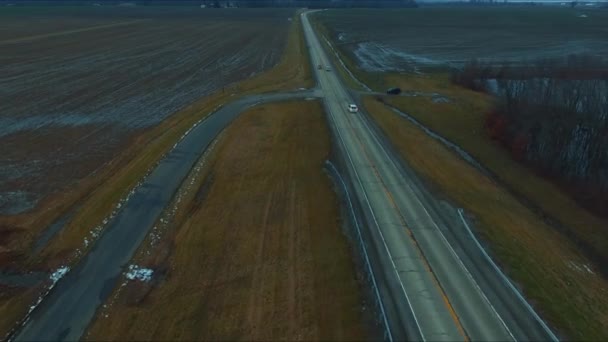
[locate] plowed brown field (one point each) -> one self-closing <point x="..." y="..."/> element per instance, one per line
<point x="73" y="94"/>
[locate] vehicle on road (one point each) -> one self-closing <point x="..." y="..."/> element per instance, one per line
<point x="353" y="108"/>
<point x="394" y="91"/>
<point x="327" y="68"/>
<point x="319" y="67"/>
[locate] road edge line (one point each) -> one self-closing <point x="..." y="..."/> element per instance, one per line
<point x="365" y="254"/>
<point x="507" y="281"/>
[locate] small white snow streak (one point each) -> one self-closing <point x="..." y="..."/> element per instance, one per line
<point x="58" y="274"/>
<point x="580" y="267"/>
<point x="169" y="213"/>
<point x="54" y="277"/>
<point x="136" y="272"/>
<point x="95" y="232"/>
<point x="142" y="274"/>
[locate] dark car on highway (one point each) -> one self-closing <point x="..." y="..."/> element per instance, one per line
<point x="394" y="91"/>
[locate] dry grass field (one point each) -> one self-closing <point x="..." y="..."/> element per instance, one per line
<point x="71" y="100"/>
<point x="260" y="254"/>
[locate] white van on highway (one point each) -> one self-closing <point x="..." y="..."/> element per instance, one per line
<point x="353" y="108"/>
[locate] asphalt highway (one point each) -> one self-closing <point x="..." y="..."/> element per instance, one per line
<point x="437" y="283"/>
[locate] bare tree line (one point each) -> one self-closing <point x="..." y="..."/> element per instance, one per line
<point x="552" y="116"/>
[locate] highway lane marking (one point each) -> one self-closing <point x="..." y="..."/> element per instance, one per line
<point x="425" y="261"/>
<point x="423" y="257"/>
<point x="376" y="223"/>
<point x="446" y="243"/>
<point x="477" y="287"/>
<point x="310" y="33"/>
<point x="368" y="263"/>
<point x="507" y="281"/>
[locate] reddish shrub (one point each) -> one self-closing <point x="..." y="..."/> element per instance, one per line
<point x="496" y="125"/>
<point x="519" y="146"/>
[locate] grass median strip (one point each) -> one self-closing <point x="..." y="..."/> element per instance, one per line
<point x="552" y="272"/>
<point x="262" y="256"/>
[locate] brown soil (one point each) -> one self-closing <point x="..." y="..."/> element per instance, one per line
<point x="111" y="80"/>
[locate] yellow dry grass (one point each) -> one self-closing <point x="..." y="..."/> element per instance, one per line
<point x="532" y="253"/>
<point x="263" y="256"/>
<point x="99" y="193"/>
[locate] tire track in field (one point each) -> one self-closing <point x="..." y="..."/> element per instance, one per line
<point x="63" y="33"/>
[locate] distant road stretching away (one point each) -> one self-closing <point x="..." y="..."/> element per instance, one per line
<point x="436" y="283"/>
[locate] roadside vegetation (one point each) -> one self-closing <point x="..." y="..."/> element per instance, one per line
<point x="463" y="121"/>
<point x="554" y="275"/>
<point x="553" y="117"/>
<point x="256" y="251"/>
<point x="98" y="195"/>
<point x="546" y="241"/>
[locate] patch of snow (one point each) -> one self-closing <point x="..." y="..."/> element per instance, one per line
<point x="378" y="57"/>
<point x="440" y="99"/>
<point x="16" y="202"/>
<point x="136" y="272"/>
<point x="580" y="267"/>
<point x="58" y="274"/>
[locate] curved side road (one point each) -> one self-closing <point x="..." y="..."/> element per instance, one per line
<point x="67" y="311"/>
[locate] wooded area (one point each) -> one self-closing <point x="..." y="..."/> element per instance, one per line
<point x="554" y="117"/>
